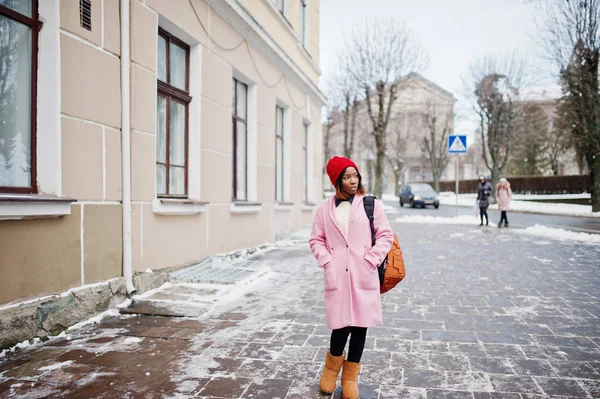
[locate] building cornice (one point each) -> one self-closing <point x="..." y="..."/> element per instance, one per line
<point x="249" y="28"/>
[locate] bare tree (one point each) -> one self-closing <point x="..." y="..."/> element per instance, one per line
<point x="497" y="86"/>
<point x="377" y="55"/>
<point x="439" y="127"/>
<point x="349" y="113"/>
<point x="329" y="123"/>
<point x="396" y="148"/>
<point x="343" y="104"/>
<point x="570" y="35"/>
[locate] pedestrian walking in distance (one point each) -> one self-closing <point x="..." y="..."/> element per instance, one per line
<point x="484" y="191"/>
<point x="341" y="243"/>
<point x="503" y="197"/>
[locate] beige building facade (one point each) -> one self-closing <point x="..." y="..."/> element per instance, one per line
<point x="186" y="129"/>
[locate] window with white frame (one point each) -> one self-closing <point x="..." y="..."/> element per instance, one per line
<point x="172" y="116"/>
<point x="18" y="83"/>
<point x="279" y="153"/>
<point x="240" y="140"/>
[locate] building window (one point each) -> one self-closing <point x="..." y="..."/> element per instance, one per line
<point x="172" y="116"/>
<point x="18" y="88"/>
<point x="303" y="22"/>
<point x="305" y="179"/>
<point x="240" y="140"/>
<point x="279" y="154"/>
<point x="414" y="121"/>
<point x="85" y="14"/>
<point x="281" y="6"/>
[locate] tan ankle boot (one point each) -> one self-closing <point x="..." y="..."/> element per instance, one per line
<point x="333" y="364"/>
<point x="350" y="380"/>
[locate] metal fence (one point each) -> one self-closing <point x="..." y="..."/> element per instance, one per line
<point x="575" y="184"/>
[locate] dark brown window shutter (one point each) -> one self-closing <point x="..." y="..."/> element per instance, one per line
<point x="85" y="14"/>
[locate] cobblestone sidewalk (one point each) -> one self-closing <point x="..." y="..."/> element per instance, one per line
<point x="482" y="314"/>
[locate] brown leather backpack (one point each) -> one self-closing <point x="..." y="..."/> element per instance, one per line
<point x="392" y="270"/>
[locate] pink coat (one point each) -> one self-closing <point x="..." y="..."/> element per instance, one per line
<point x="503" y="196"/>
<point x="352" y="295"/>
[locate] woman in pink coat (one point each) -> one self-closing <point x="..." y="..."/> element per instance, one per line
<point x="503" y="197"/>
<point x="341" y="242"/>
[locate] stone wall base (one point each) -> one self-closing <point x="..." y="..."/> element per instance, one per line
<point x="49" y="316"/>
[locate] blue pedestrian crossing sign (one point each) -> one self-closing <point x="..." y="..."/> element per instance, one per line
<point x="457" y="144"/>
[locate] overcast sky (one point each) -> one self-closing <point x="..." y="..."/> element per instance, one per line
<point x="452" y="32"/>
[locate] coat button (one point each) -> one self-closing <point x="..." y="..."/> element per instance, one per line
<point x="346" y="269"/>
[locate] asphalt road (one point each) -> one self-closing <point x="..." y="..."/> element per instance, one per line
<point x="515" y="219"/>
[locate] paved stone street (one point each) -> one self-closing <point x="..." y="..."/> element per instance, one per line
<point x="483" y="313"/>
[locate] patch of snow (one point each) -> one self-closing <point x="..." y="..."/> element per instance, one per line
<point x="518" y="204"/>
<point x="559" y="234"/>
<point x="389" y="209"/>
<point x="124" y="304"/>
<point x="461" y="220"/>
<point x="541" y="260"/>
<point x="149" y="271"/>
<point x="84" y="380"/>
<point x="149" y="293"/>
<point x="238" y="290"/>
<point x="132" y="340"/>
<point x="56" y="366"/>
<point x="33" y="343"/>
<point x="104" y="315"/>
<point x="521" y="197"/>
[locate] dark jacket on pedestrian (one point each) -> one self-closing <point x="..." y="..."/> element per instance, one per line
<point x="484" y="191"/>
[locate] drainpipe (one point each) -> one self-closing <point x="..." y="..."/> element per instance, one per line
<point x="126" y="147"/>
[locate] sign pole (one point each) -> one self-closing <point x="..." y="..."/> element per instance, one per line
<point x="457" y="144"/>
<point x="457" y="185"/>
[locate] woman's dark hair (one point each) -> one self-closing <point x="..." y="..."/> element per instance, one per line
<point x="340" y="194"/>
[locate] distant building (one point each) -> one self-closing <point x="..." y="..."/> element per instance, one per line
<point x="418" y="100"/>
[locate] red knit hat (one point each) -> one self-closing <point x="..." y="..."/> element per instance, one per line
<point x="336" y="165"/>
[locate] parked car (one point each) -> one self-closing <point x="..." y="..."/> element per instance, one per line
<point x="418" y="194"/>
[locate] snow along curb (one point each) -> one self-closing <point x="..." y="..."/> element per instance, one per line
<point x="517" y="205"/>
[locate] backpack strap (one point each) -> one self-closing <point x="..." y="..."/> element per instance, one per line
<point x="369" y="204"/>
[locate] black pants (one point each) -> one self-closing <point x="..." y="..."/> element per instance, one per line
<point x="357" y="342"/>
<point x="503" y="218"/>
<point x="482" y="213"/>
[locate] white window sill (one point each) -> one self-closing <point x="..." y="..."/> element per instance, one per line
<point x="33" y="206"/>
<point x="166" y="206"/>
<point x="284" y="206"/>
<point x="245" y="207"/>
<point x="308" y="206"/>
